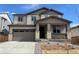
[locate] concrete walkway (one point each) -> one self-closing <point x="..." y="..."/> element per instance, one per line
<point x="17" y="47"/>
<point x="37" y="48"/>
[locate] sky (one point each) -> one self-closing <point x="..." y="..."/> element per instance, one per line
<point x="71" y="11"/>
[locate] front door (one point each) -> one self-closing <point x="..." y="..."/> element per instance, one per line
<point x="42" y="32"/>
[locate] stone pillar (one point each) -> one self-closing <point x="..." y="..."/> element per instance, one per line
<point x="68" y="33"/>
<point x="37" y="33"/>
<point x="10" y="36"/>
<point x="49" y="31"/>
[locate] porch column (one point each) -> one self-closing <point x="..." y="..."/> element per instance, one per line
<point x="10" y="36"/>
<point x="49" y="31"/>
<point x="37" y="36"/>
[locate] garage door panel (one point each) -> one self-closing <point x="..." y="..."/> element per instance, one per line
<point x="24" y="36"/>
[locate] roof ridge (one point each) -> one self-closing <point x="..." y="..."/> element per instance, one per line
<point x="41" y="9"/>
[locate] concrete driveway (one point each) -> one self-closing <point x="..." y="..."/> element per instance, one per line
<point x="17" y="47"/>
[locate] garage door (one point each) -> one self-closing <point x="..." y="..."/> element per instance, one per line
<point x="24" y="35"/>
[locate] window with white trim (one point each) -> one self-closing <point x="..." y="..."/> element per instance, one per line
<point x="20" y="18"/>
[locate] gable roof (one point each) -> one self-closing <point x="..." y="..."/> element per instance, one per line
<point x="56" y="18"/>
<point x="45" y="9"/>
<point x="41" y="9"/>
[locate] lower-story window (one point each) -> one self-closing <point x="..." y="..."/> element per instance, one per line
<point x="56" y="30"/>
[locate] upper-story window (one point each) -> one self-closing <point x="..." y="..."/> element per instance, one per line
<point x="20" y="18"/>
<point x="34" y="19"/>
<point x="56" y="29"/>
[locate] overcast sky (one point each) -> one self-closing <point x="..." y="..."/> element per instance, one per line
<point x="71" y="12"/>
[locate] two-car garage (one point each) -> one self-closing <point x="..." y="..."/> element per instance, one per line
<point x="23" y="34"/>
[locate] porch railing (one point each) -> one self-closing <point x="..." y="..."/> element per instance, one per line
<point x="59" y="36"/>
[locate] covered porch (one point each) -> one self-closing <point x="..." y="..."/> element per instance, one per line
<point x="49" y="32"/>
<point x="51" y="29"/>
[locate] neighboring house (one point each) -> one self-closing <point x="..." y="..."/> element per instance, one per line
<point x="4" y="29"/>
<point x="4" y="22"/>
<point x="73" y="35"/>
<point x="41" y="24"/>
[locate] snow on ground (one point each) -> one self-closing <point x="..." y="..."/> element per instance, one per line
<point x="17" y="47"/>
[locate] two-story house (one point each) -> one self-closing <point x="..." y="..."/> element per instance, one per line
<point x="40" y="24"/>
